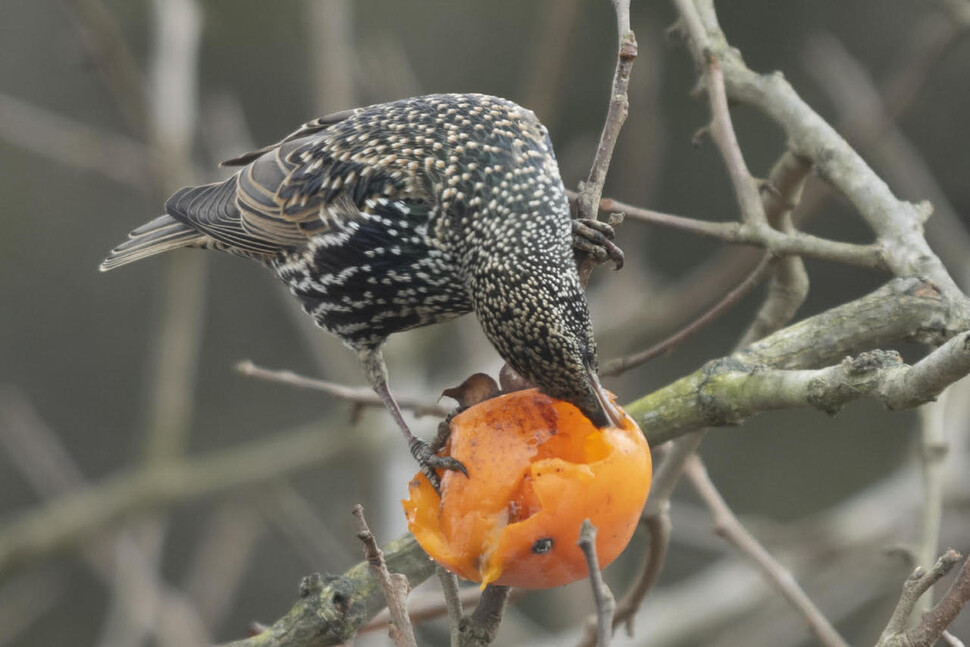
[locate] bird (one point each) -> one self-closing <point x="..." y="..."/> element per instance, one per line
<point x="398" y="215"/>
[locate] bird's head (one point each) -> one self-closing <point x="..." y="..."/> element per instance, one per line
<point x="579" y="384"/>
<point x="543" y="331"/>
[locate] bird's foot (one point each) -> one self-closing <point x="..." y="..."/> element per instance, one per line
<point x="430" y="462"/>
<point x="595" y="237"/>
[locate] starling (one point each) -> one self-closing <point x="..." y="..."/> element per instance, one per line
<point x="405" y="214"/>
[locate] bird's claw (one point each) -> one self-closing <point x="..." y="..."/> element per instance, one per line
<point x="595" y="237"/>
<point x="430" y="463"/>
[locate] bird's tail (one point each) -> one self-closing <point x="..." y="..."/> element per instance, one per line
<point x="160" y="235"/>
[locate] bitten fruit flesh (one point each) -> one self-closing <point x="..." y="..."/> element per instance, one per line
<point x="537" y="468"/>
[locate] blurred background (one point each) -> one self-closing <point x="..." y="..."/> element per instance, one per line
<point x="106" y="106"/>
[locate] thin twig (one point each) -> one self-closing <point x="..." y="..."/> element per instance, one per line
<point x="658" y="531"/>
<point x="620" y="365"/>
<point x="66" y="141"/>
<point x="867" y="122"/>
<point x="395" y="586"/>
<point x="935" y="621"/>
<point x="361" y="396"/>
<point x="602" y="596"/>
<point x="895" y="222"/>
<point x="870" y="256"/>
<point x="781" y="243"/>
<point x="932" y="457"/>
<point x="721" y="128"/>
<point x="789" y="283"/>
<point x="67" y="520"/>
<point x="430" y="606"/>
<point x="102" y="37"/>
<point x="727" y="526"/>
<point x="616" y="114"/>
<point x="449" y="587"/>
<point x="951" y="640"/>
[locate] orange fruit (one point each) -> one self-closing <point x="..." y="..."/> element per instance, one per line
<point x="537" y="468"/>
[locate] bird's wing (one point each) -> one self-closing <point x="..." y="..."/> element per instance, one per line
<point x="287" y="193"/>
<point x="307" y="129"/>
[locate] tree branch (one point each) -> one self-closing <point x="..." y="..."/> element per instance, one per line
<point x="935" y="621"/>
<point x="592" y="189"/>
<point x="361" y="396"/>
<point x="726" y="392"/>
<point x="394" y="586"/>
<point x="605" y="602"/>
<point x="726" y="525"/>
<point x="897" y="224"/>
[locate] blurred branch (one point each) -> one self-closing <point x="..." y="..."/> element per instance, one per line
<point x="726" y="525"/>
<point x="51" y="471"/>
<point x="300" y="523"/>
<point x="63" y="140"/>
<point x="172" y="112"/>
<point x="620" y="365"/>
<point x="866" y="120"/>
<point x="63" y="522"/>
<point x="933" y="451"/>
<point x="551" y="53"/>
<point x="332" y="61"/>
<point x="592" y="189"/>
<point x="932" y="38"/>
<point x="357" y="395"/>
<point x="216" y="570"/>
<point x="101" y="36"/>
<point x="27" y="599"/>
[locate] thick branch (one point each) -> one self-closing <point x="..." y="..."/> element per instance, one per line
<point x="897" y="224"/>
<point x="331" y="610"/>
<point x="903" y="309"/>
<point x="726" y="392"/>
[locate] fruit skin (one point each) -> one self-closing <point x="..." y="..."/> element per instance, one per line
<point x="537" y="468"/>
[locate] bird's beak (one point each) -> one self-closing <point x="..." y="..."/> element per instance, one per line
<point x="610" y="411"/>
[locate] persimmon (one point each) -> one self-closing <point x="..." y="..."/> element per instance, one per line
<point x="536" y="469"/>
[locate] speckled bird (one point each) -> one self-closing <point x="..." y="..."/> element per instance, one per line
<point x="404" y="214"/>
